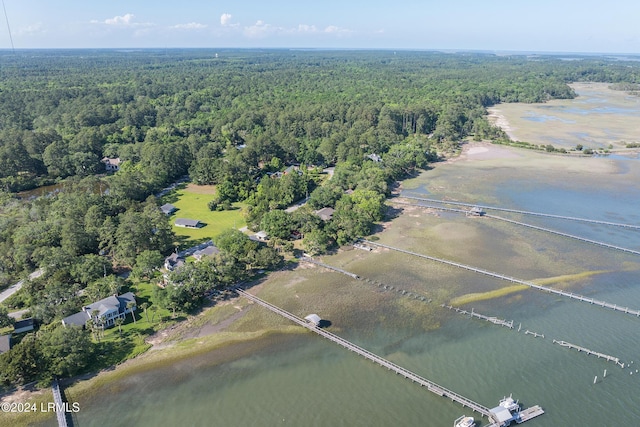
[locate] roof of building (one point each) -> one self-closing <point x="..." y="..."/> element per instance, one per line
<point x="168" y="208"/>
<point x="501" y="414"/>
<point x="260" y="236"/>
<point x="313" y="318"/>
<point x="325" y="214"/>
<point x="111" y="161"/>
<point x="206" y="251"/>
<point x="112" y="303"/>
<point x="173" y="261"/>
<point x="24" y="325"/>
<point x="79" y="319"/>
<point x="185" y="222"/>
<point x="5" y="343"/>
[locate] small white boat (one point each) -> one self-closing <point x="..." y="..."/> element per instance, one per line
<point x="510" y="404"/>
<point x="464" y="421"/>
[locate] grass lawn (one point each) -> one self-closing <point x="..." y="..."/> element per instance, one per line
<point x="191" y="202"/>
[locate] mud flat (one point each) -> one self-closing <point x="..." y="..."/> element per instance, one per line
<point x="598" y="118"/>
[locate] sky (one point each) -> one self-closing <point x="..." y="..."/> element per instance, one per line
<point x="496" y="25"/>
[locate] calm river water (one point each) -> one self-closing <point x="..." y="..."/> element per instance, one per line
<point x="305" y="380"/>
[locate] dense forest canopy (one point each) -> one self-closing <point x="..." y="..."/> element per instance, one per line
<point x="62" y="111"/>
<point x="238" y="119"/>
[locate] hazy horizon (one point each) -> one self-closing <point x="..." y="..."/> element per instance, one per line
<point x="587" y="27"/>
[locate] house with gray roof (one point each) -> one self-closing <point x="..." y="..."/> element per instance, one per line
<point x="208" y="250"/>
<point x="168" y="209"/>
<point x="106" y="310"/>
<point x="173" y="262"/>
<point x="188" y="223"/>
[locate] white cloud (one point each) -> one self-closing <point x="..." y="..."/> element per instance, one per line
<point x="225" y="19"/>
<point x="262" y="29"/>
<point x="189" y="26"/>
<point x="332" y="29"/>
<point x="125" y="20"/>
<point x="120" y="20"/>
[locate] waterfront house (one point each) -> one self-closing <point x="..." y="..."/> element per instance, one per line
<point x="111" y="164"/>
<point x="187" y="223"/>
<point x="24" y="325"/>
<point x="106" y="310"/>
<point x="168" y="209"/>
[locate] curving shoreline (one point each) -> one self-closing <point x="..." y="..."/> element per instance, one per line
<point x="231" y="332"/>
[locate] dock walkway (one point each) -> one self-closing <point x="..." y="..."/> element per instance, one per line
<point x="330" y="267"/>
<point x="492" y="319"/>
<point x="570" y="218"/>
<point x="431" y="386"/>
<point x="571" y="236"/>
<point x="578" y="297"/>
<point x="523" y="224"/>
<point x="591" y="352"/>
<point x="57" y="398"/>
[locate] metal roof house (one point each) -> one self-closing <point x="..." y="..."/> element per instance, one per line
<point x="188" y="223"/>
<point x="108" y="310"/>
<point x="24" y="325"/>
<point x="168" y="209"/>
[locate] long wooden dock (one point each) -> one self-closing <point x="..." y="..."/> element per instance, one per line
<point x="430" y="385"/>
<point x="329" y="267"/>
<point x="60" y="405"/>
<point x="535" y="227"/>
<point x="571" y="236"/>
<point x="570" y="218"/>
<point x="591" y="352"/>
<point x="380" y="285"/>
<point x="571" y="295"/>
<point x="492" y="319"/>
